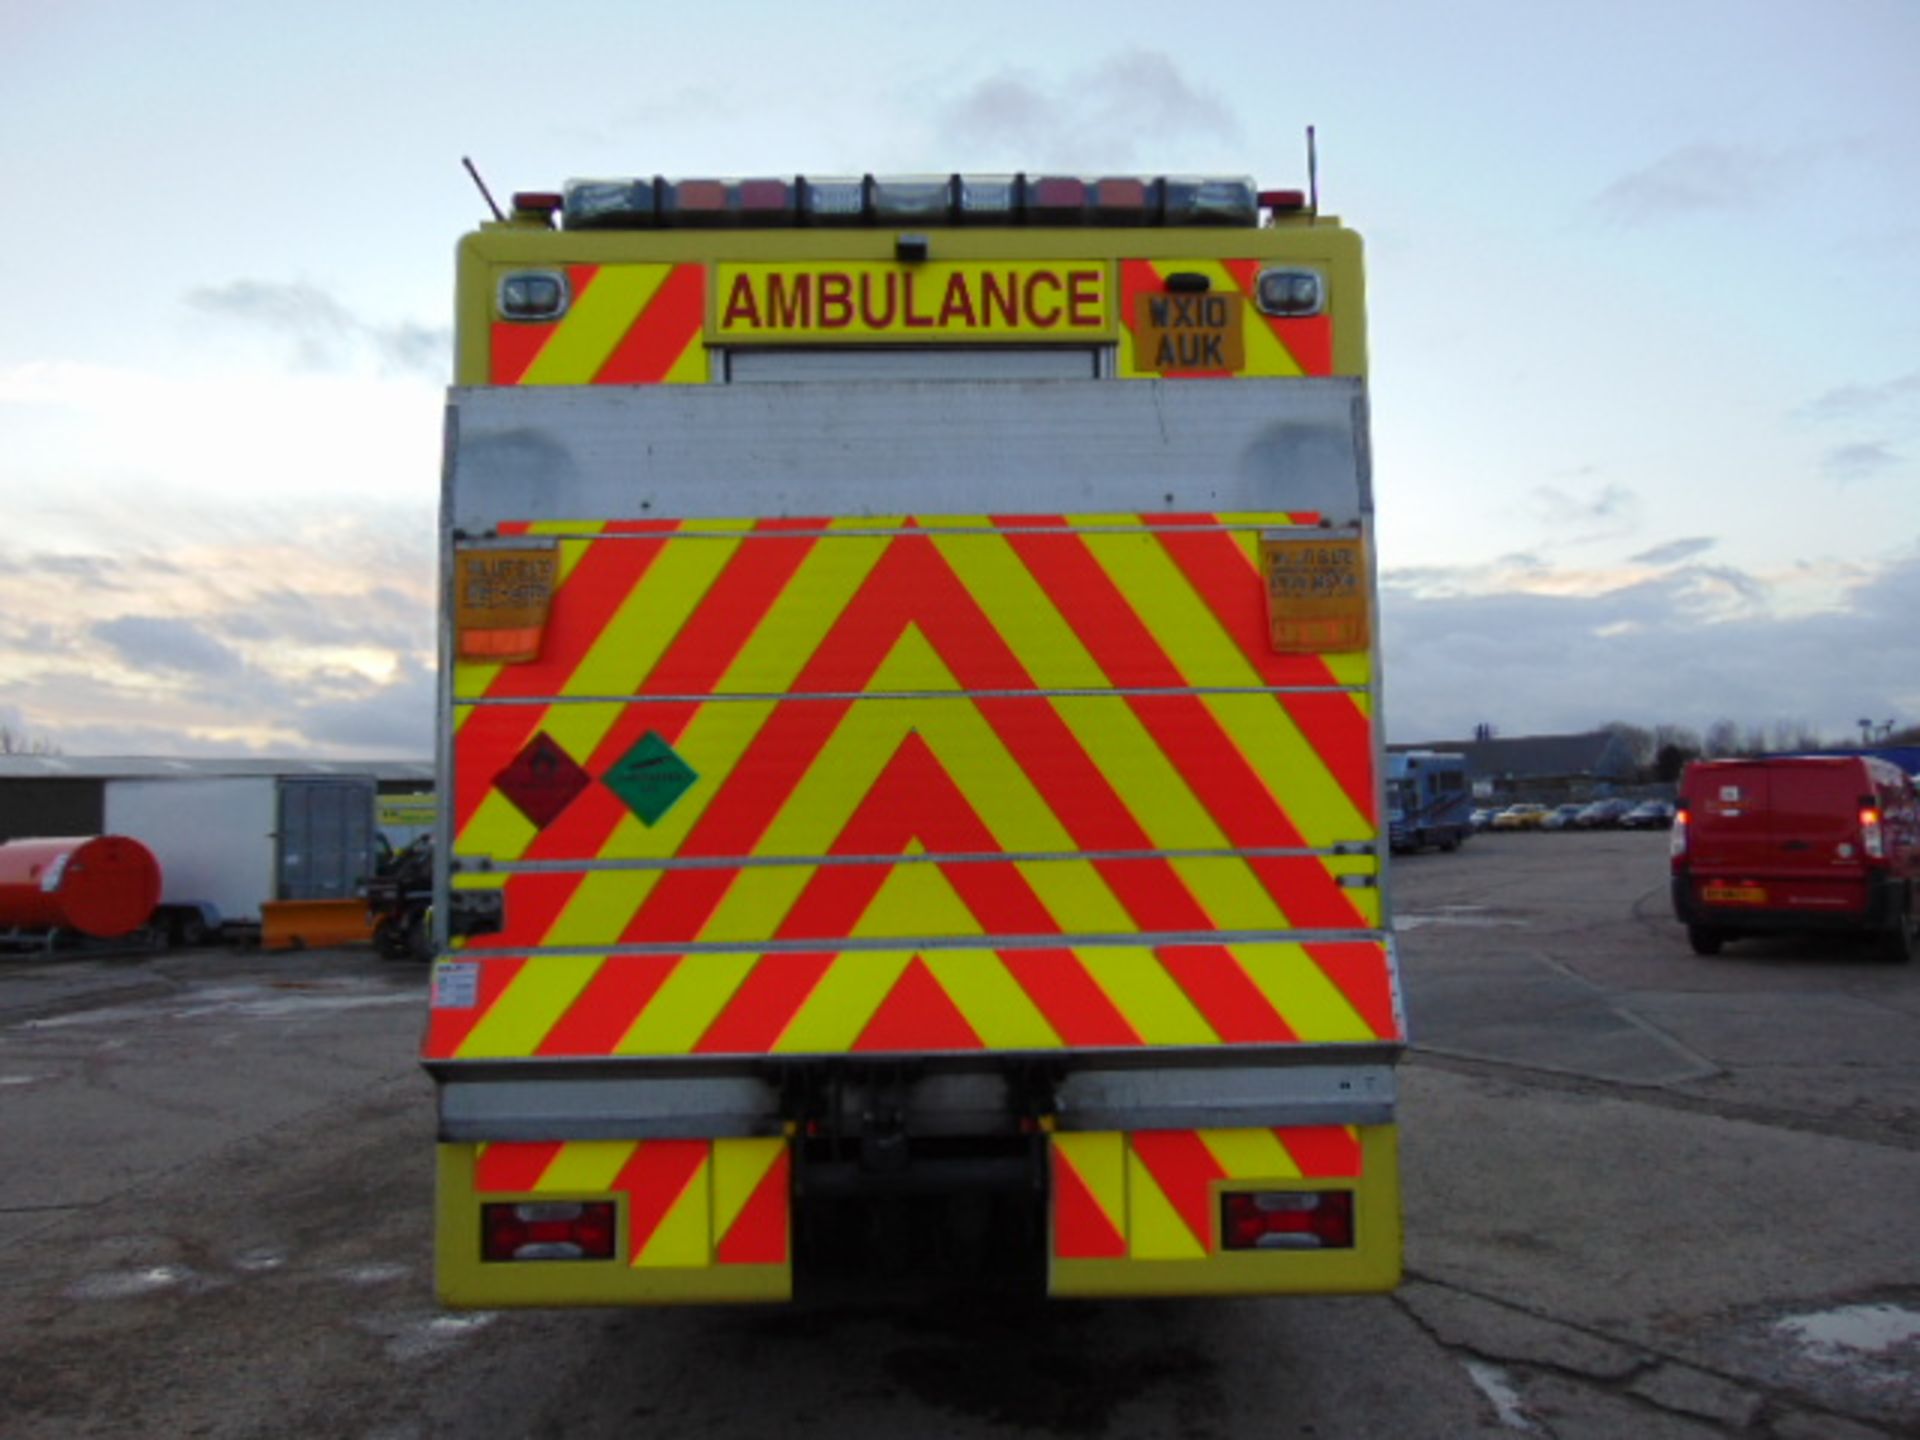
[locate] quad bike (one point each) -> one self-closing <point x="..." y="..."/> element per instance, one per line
<point x="401" y="899"/>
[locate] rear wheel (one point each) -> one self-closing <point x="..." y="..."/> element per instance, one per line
<point x="1902" y="942"/>
<point x="1705" y="940"/>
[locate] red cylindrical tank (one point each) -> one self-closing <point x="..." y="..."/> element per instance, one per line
<point x="100" y="885"/>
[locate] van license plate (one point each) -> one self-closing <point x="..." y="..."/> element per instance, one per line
<point x="1716" y="893"/>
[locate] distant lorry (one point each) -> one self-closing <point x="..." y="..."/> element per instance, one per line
<point x="910" y="743"/>
<point x="1429" y="801"/>
<point x="1804" y="842"/>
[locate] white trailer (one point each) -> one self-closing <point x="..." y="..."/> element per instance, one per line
<point x="229" y="844"/>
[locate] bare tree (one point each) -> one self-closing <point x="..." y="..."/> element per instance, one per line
<point x="1795" y="735"/>
<point x="1722" y="738"/>
<point x="1681" y="737"/>
<point x="1637" y="740"/>
<point x="18" y="742"/>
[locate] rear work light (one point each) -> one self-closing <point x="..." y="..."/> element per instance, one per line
<point x="1291" y="292"/>
<point x="1287" y="1220"/>
<point x="533" y="295"/>
<point x="1873" y="838"/>
<point x="548" y="1230"/>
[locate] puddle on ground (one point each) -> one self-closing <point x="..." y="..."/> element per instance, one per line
<point x="427" y="1338"/>
<point x="1853" y="1330"/>
<point x="1464" y="917"/>
<point x="384" y="1273"/>
<point x="125" y="1284"/>
<point x="247" y="1002"/>
<point x="1492" y="1382"/>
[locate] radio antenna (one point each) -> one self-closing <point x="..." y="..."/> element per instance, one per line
<point x="1313" y="174"/>
<point x="487" y="195"/>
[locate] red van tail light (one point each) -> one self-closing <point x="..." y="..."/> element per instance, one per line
<point x="1873" y="838"/>
<point x="1677" y="837"/>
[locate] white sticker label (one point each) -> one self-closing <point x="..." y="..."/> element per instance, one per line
<point x="456" y="986"/>
<point x="1730" y="794"/>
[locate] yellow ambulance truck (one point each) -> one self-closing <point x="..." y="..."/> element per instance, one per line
<point x="909" y="731"/>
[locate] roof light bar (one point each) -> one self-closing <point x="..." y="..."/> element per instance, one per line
<point x="1057" y="200"/>
<point x="910" y="200"/>
<point x="988" y="199"/>
<point x="644" y="203"/>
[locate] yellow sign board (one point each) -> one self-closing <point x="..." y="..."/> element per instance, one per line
<point x="395" y="812"/>
<point x="500" y="599"/>
<point x="843" y="300"/>
<point x="1183" y="331"/>
<point x="1316" y="594"/>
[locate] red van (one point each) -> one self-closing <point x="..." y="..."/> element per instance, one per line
<point x="1801" y="842"/>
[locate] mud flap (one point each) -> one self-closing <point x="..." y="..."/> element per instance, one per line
<point x="1140" y="1213"/>
<point x="698" y="1221"/>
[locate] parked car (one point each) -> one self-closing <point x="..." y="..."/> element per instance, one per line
<point x="1523" y="816"/>
<point x="1561" y="817"/>
<point x="1483" y="817"/>
<point x="1648" y="815"/>
<point x="1602" y="814"/>
<point x="1804" y="842"/>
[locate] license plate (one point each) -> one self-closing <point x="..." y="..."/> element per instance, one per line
<point x="1721" y="894"/>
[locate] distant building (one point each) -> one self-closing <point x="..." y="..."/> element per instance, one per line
<point x="66" y="794"/>
<point x="1540" y="766"/>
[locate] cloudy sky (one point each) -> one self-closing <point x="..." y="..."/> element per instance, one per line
<point x="1645" y="317"/>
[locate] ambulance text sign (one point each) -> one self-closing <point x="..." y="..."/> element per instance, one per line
<point x="858" y="302"/>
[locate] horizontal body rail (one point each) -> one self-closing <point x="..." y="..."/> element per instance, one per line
<point x="492" y="1104"/>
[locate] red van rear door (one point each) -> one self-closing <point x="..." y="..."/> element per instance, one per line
<point x="1780" y="835"/>
<point x="1731" y="828"/>
<point x="1816" y="830"/>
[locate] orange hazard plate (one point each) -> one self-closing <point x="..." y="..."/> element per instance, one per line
<point x="1717" y="893"/>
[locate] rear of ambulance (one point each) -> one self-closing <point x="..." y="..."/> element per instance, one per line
<point x="912" y="737"/>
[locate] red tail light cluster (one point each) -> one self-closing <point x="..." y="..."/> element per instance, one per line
<point x="1287" y="1220"/>
<point x="553" y="1230"/>
<point x="1873" y="838"/>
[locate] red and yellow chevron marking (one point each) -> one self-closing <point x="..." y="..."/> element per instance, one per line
<point x="1118" y="997"/>
<point x="1138" y="1213"/>
<point x="1276" y="345"/>
<point x="626" y="325"/>
<point x="728" y="608"/>
<point x="687" y="1203"/>
<point x="927" y="744"/>
<point x="1150" y="1195"/>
